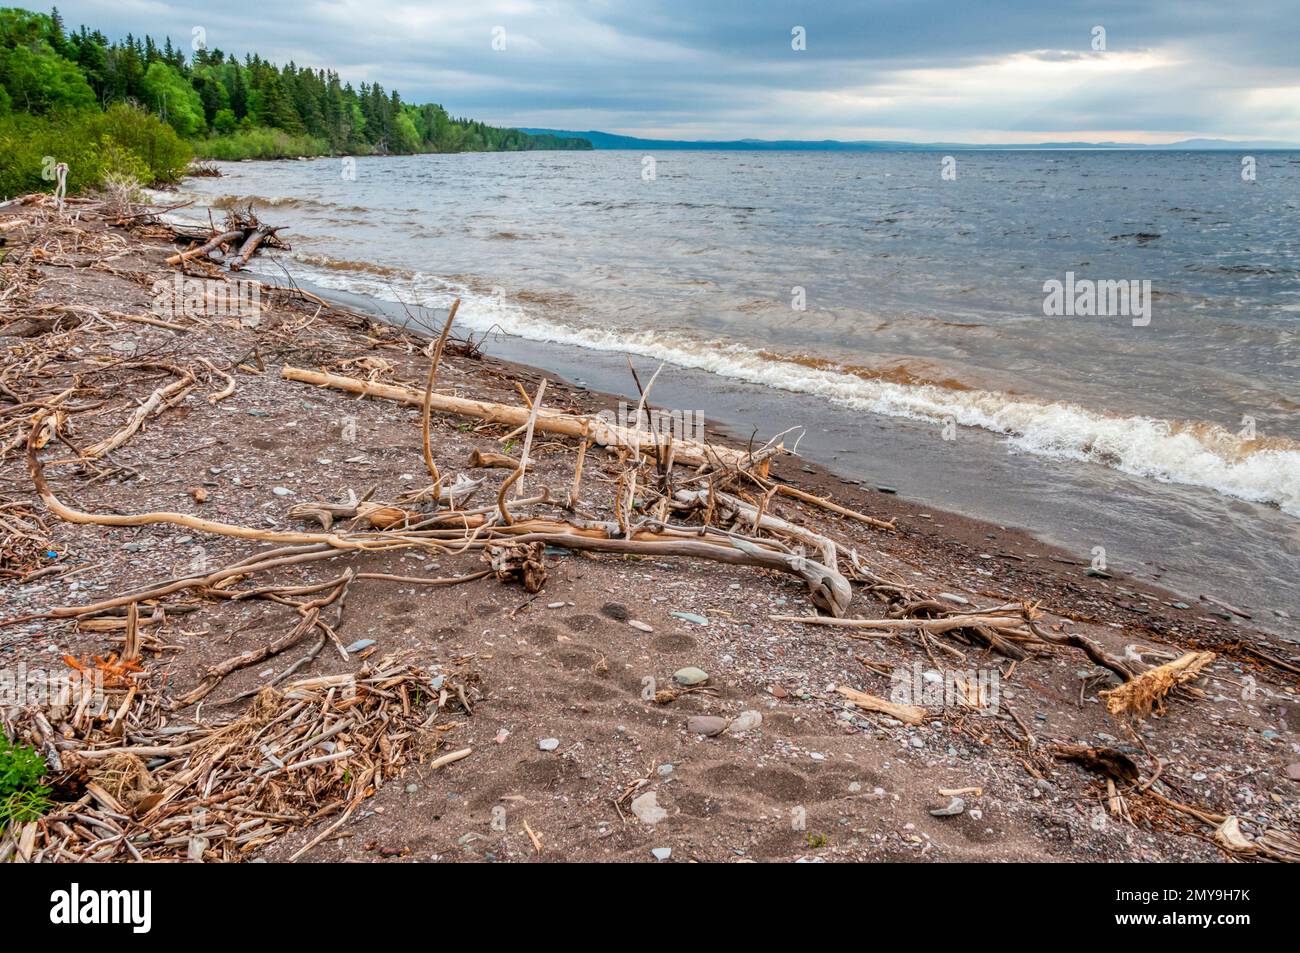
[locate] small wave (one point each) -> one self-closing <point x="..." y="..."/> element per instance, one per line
<point x="1191" y="453"/>
<point x="361" y="267"/>
<point x="275" y="201"/>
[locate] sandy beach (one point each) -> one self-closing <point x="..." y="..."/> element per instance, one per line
<point x="590" y="737"/>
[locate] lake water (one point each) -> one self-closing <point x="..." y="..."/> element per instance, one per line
<point x="895" y="314"/>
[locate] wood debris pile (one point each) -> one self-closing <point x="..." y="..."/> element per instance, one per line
<point x="134" y="782"/>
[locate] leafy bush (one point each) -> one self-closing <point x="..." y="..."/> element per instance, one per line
<point x="23" y="797"/>
<point x="122" y="141"/>
<point x="31" y="145"/>
<point x="260" y="143"/>
<point x="164" y="153"/>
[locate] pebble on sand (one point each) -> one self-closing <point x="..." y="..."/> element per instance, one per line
<point x="707" y="725"/>
<point x="647" y="809"/>
<point x="691" y="676"/>
<point x="746" y="721"/>
<point x="954" y="807"/>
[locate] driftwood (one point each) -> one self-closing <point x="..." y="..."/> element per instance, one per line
<point x="1000" y="628"/>
<point x="738" y="508"/>
<point x="1146" y="693"/>
<point x="158" y="401"/>
<point x="908" y="714"/>
<point x="486" y="458"/>
<point x="425" y="440"/>
<point x="249" y="248"/>
<point x="828" y="590"/>
<point x="241" y="227"/>
<point x="583" y="426"/>
<point x="522" y="564"/>
<point x="219" y="240"/>
<point x="1107" y="762"/>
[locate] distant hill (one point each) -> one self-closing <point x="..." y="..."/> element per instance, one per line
<point x="609" y="140"/>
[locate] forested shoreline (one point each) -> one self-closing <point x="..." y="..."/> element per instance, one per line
<point x="136" y="109"/>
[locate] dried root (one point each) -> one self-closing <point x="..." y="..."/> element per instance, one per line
<point x="1147" y="692"/>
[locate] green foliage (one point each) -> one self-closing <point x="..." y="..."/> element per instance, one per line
<point x="23" y="797"/>
<point x="53" y="81"/>
<point x="124" y="141"/>
<point x="224" y="122"/>
<point x="35" y="77"/>
<point x="164" y="153"/>
<point x="174" y="99"/>
<point x="260" y="143"/>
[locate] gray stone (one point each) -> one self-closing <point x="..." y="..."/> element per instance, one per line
<point x="692" y="617"/>
<point x="691" y="676"/>
<point x="745" y="721"/>
<point x="954" y="807"/>
<point x="549" y="744"/>
<point x="707" y="725"/>
<point x="662" y="853"/>
<point x="647" y="809"/>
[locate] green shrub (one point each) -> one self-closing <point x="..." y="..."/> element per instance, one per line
<point x="31" y="145"/>
<point x="171" y="95"/>
<point x="23" y="797"/>
<point x="122" y="141"/>
<point x="260" y="142"/>
<point x="164" y="153"/>
<point x="224" y="121"/>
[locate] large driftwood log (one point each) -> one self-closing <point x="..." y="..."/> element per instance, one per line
<point x="773" y="524"/>
<point x="1146" y="692"/>
<point x="828" y="590"/>
<point x="250" y="246"/>
<point x="207" y="248"/>
<point x="588" y="426"/>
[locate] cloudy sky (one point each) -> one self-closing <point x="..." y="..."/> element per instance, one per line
<point x="958" y="70"/>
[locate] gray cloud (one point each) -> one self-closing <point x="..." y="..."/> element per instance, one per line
<point x="1007" y="69"/>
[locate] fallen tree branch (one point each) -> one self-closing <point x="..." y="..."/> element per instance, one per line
<point x="586" y="426"/>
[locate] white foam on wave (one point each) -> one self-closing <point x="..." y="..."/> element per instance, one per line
<point x="1200" y="454"/>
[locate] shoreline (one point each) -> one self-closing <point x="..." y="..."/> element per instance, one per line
<point x="1082" y="476"/>
<point x="564" y="664"/>
<point x="975" y="532"/>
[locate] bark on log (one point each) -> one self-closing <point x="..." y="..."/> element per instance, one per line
<point x="480" y="458"/>
<point x="251" y="243"/>
<point x="211" y="245"/>
<point x="773" y="524"/>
